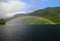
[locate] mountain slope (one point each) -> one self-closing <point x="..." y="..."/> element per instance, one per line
<point x="16" y="16"/>
<point x="51" y="13"/>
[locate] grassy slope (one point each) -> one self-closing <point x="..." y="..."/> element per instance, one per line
<point x="51" y="13"/>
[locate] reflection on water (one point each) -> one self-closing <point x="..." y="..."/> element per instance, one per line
<point x="30" y="33"/>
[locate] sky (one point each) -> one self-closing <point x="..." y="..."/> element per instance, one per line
<point x="9" y="8"/>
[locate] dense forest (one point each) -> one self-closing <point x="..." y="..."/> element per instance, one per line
<point x="51" y="13"/>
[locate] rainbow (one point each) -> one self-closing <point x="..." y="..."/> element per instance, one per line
<point x="32" y="16"/>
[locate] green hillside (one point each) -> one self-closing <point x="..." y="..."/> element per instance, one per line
<point x="51" y="13"/>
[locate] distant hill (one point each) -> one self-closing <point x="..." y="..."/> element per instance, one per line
<point x="51" y="13"/>
<point x="17" y="15"/>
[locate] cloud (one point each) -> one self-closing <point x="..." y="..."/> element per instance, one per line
<point x="1" y="0"/>
<point x="33" y="8"/>
<point x="11" y="6"/>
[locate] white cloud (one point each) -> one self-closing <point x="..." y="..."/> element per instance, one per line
<point x="33" y="8"/>
<point x="12" y="6"/>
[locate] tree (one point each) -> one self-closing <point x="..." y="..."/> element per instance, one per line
<point x="2" y="22"/>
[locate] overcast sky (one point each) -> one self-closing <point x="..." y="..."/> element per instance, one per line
<point x="9" y="8"/>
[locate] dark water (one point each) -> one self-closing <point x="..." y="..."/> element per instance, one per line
<point x="30" y="33"/>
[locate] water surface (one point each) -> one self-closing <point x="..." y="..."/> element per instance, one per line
<point x="37" y="32"/>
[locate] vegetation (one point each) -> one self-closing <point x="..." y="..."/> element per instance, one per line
<point x="2" y="22"/>
<point x="51" y="13"/>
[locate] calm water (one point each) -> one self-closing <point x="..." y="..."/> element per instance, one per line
<point x="30" y="33"/>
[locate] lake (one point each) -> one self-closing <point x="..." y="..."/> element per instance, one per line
<point x="34" y="32"/>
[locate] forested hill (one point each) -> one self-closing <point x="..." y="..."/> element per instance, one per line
<point x="51" y="13"/>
